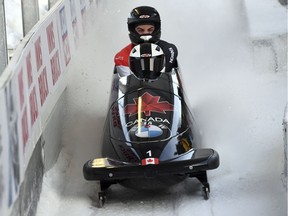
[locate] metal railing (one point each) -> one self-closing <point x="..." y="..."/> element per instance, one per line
<point x="3" y="39"/>
<point x="30" y="16"/>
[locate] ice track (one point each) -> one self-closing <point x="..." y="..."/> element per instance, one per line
<point x="239" y="108"/>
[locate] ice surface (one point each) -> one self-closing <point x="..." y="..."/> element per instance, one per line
<point x="239" y="109"/>
<point x="266" y="17"/>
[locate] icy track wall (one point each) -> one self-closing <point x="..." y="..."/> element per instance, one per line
<point x="32" y="103"/>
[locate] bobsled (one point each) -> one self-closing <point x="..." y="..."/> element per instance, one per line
<point x="150" y="140"/>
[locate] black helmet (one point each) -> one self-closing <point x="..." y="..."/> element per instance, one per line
<point x="144" y="15"/>
<point x="147" y="61"/>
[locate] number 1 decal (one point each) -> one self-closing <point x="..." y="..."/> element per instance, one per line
<point x="149" y="153"/>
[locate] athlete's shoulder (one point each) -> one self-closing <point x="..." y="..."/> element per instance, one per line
<point x="168" y="48"/>
<point x="121" y="58"/>
<point x="166" y="44"/>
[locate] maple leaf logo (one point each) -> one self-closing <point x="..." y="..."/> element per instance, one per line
<point x="149" y="104"/>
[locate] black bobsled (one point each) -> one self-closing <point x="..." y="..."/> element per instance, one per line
<point x="150" y="140"/>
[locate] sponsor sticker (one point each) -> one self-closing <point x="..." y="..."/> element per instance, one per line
<point x="146" y="131"/>
<point x="99" y="162"/>
<point x="146" y="55"/>
<point x="144" y="16"/>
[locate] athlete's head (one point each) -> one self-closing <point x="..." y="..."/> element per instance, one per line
<point x="144" y="24"/>
<point x="147" y="61"/>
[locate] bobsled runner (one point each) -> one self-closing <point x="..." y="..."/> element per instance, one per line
<point x="150" y="138"/>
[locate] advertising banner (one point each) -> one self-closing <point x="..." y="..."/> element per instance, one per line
<point x="49" y="72"/>
<point x="38" y="76"/>
<point x="51" y="49"/>
<point x="26" y="107"/>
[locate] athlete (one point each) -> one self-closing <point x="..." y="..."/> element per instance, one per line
<point x="144" y="25"/>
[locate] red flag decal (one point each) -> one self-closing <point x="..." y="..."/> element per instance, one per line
<point x="147" y="161"/>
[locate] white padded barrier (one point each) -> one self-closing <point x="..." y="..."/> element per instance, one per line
<point x="30" y="87"/>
